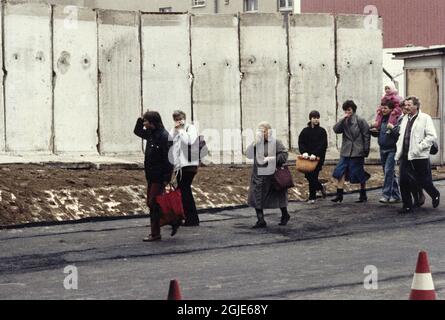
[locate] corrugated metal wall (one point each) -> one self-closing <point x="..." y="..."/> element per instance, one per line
<point x="418" y="22"/>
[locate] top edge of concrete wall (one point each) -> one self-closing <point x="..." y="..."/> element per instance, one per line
<point x="27" y="9"/>
<point x="220" y="21"/>
<point x="355" y="21"/>
<point x="155" y="13"/>
<point x="81" y="13"/>
<point x="311" y="20"/>
<point x="261" y="19"/>
<point x="160" y="20"/>
<point x="117" y="17"/>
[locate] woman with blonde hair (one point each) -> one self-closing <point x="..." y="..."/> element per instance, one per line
<point x="268" y="153"/>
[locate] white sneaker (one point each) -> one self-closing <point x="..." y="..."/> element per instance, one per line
<point x="384" y="200"/>
<point x="311" y="201"/>
<point x="392" y="200"/>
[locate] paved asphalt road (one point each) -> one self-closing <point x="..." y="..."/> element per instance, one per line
<point x="321" y="254"/>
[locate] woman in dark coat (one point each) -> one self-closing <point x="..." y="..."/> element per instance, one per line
<point x="158" y="169"/>
<point x="268" y="153"/>
<point x="313" y="142"/>
<point x="355" y="146"/>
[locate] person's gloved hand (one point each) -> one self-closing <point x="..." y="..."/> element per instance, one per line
<point x="306" y="155"/>
<point x="312" y="157"/>
<point x="259" y="136"/>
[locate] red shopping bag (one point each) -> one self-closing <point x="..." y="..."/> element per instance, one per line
<point x="170" y="204"/>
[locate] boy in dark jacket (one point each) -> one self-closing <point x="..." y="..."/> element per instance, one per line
<point x="387" y="140"/>
<point x="158" y="169"/>
<point x="313" y="142"/>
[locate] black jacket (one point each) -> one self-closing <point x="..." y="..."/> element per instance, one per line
<point x="313" y="141"/>
<point x="158" y="168"/>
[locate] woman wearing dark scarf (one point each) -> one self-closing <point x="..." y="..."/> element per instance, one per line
<point x="268" y="153"/>
<point x="312" y="143"/>
<point x="158" y="169"/>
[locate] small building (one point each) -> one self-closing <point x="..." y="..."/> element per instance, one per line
<point x="425" y="78"/>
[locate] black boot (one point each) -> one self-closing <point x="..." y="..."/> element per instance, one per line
<point x="363" y="197"/>
<point x="175" y="227"/>
<point x="284" y="217"/>
<point x="261" y="223"/>
<point x="339" y="196"/>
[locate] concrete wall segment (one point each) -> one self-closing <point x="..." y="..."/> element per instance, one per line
<point x="166" y="64"/>
<point x="28" y="61"/>
<point x="75" y="85"/>
<point x="216" y="87"/>
<point x="120" y="81"/>
<point x="359" y="66"/>
<point x="313" y="81"/>
<point x="264" y="64"/>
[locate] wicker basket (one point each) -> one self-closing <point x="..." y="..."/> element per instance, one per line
<point x="306" y="165"/>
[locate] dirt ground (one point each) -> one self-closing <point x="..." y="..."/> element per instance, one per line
<point x="23" y="188"/>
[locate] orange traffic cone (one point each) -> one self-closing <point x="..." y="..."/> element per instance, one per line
<point x="174" y="293"/>
<point x="423" y="286"/>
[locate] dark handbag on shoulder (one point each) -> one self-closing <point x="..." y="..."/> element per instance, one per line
<point x="282" y="179"/>
<point x="202" y="149"/>
<point x="434" y="148"/>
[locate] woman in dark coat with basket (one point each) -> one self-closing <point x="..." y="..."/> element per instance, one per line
<point x="312" y="143"/>
<point x="158" y="169"/>
<point x="268" y="154"/>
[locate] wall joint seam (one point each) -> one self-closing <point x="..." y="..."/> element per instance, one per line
<point x="337" y="77"/>
<point x="191" y="75"/>
<point x="99" y="81"/>
<point x="5" y="72"/>
<point x="240" y="81"/>
<point x="53" y="83"/>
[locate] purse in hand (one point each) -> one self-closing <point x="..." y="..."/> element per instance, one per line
<point x="282" y="179"/>
<point x="170" y="204"/>
<point x="306" y="165"/>
<point x="434" y="148"/>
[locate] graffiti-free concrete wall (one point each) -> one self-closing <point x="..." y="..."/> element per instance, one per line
<point x="166" y="68"/>
<point x="75" y="82"/>
<point x="119" y="81"/>
<point x="359" y="65"/>
<point x="28" y="85"/>
<point x="311" y="52"/>
<point x="216" y="85"/>
<point x="80" y="90"/>
<point x="264" y="65"/>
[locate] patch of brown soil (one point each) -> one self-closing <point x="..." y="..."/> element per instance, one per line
<point x="30" y="193"/>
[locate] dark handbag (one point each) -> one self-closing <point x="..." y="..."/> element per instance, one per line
<point x="374" y="133"/>
<point x="434" y="148"/>
<point x="199" y="147"/>
<point x="170" y="204"/>
<point x="282" y="179"/>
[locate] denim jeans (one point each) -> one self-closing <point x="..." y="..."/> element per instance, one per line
<point x="390" y="185"/>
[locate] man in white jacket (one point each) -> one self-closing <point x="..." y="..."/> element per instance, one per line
<point x="416" y="136"/>
<point x="185" y="151"/>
